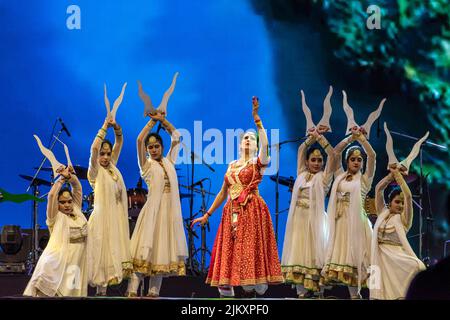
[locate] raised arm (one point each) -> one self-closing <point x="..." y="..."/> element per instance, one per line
<point x="407" y="214"/>
<point x="118" y="142"/>
<point x="172" y="155"/>
<point x="140" y="143"/>
<point x="338" y="149"/>
<point x="379" y="192"/>
<point x="330" y="165"/>
<point x="77" y="192"/>
<point x="220" y="198"/>
<point x="52" y="202"/>
<point x="263" y="154"/>
<point x="371" y="156"/>
<point x="95" y="150"/>
<point x="301" y="154"/>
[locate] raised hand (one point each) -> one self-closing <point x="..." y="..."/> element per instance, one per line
<point x="355" y="131"/>
<point x="112" y="123"/>
<point x="158" y="116"/>
<point x="65" y="173"/>
<point x="315" y="134"/>
<point x="322" y="129"/>
<point x="255" y="104"/>
<point x="363" y="131"/>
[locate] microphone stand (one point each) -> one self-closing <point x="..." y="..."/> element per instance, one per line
<point x="422" y="179"/>
<point x="203" y="249"/>
<point x="277" y="181"/>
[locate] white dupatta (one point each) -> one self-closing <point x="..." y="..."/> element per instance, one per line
<point x="357" y="220"/>
<point x="110" y="216"/>
<point x="318" y="219"/>
<point x="153" y="174"/>
<point x="401" y="231"/>
<point x="52" y="264"/>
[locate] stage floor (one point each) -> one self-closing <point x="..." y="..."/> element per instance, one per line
<point x="188" y="287"/>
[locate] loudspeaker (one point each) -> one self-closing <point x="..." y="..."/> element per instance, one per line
<point x="22" y="255"/>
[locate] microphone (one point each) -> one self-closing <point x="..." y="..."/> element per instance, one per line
<point x="64" y="128"/>
<point x="198" y="182"/>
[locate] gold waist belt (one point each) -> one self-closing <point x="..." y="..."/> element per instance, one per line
<point x="303" y="203"/>
<point x="236" y="206"/>
<point x="388" y="242"/>
<point x="78" y="240"/>
<point x="166" y="187"/>
<point x="343" y="197"/>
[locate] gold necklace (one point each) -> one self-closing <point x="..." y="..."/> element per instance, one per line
<point x="112" y="174"/>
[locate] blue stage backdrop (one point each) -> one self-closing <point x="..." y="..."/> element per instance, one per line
<point x="225" y="52"/>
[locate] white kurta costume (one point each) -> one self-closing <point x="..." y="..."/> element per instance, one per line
<point x="348" y="252"/>
<point x="158" y="244"/>
<point x="394" y="262"/>
<point x="109" y="258"/>
<point x="61" y="270"/>
<point x="306" y="228"/>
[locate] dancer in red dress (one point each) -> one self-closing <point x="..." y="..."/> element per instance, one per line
<point x="245" y="251"/>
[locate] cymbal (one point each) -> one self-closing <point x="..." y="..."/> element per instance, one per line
<point x="37" y="181"/>
<point x="80" y="171"/>
<point x="285" y="181"/>
<point x="410" y="178"/>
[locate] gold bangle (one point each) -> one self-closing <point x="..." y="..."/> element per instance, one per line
<point x="104" y="130"/>
<point x="101" y="135"/>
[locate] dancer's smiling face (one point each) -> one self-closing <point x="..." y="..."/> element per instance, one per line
<point x="314" y="163"/>
<point x="354" y="160"/>
<point x="65" y="202"/>
<point x="105" y="154"/>
<point x="397" y="204"/>
<point x="155" y="146"/>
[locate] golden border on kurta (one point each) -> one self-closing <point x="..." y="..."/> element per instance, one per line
<point x="310" y="278"/>
<point x="342" y="274"/>
<point x="149" y="269"/>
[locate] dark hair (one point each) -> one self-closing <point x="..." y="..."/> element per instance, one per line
<point x="156" y="136"/>
<point x="311" y="149"/>
<point x="394" y="192"/>
<point x="64" y="189"/>
<point x="351" y="150"/>
<point x="106" y="141"/>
